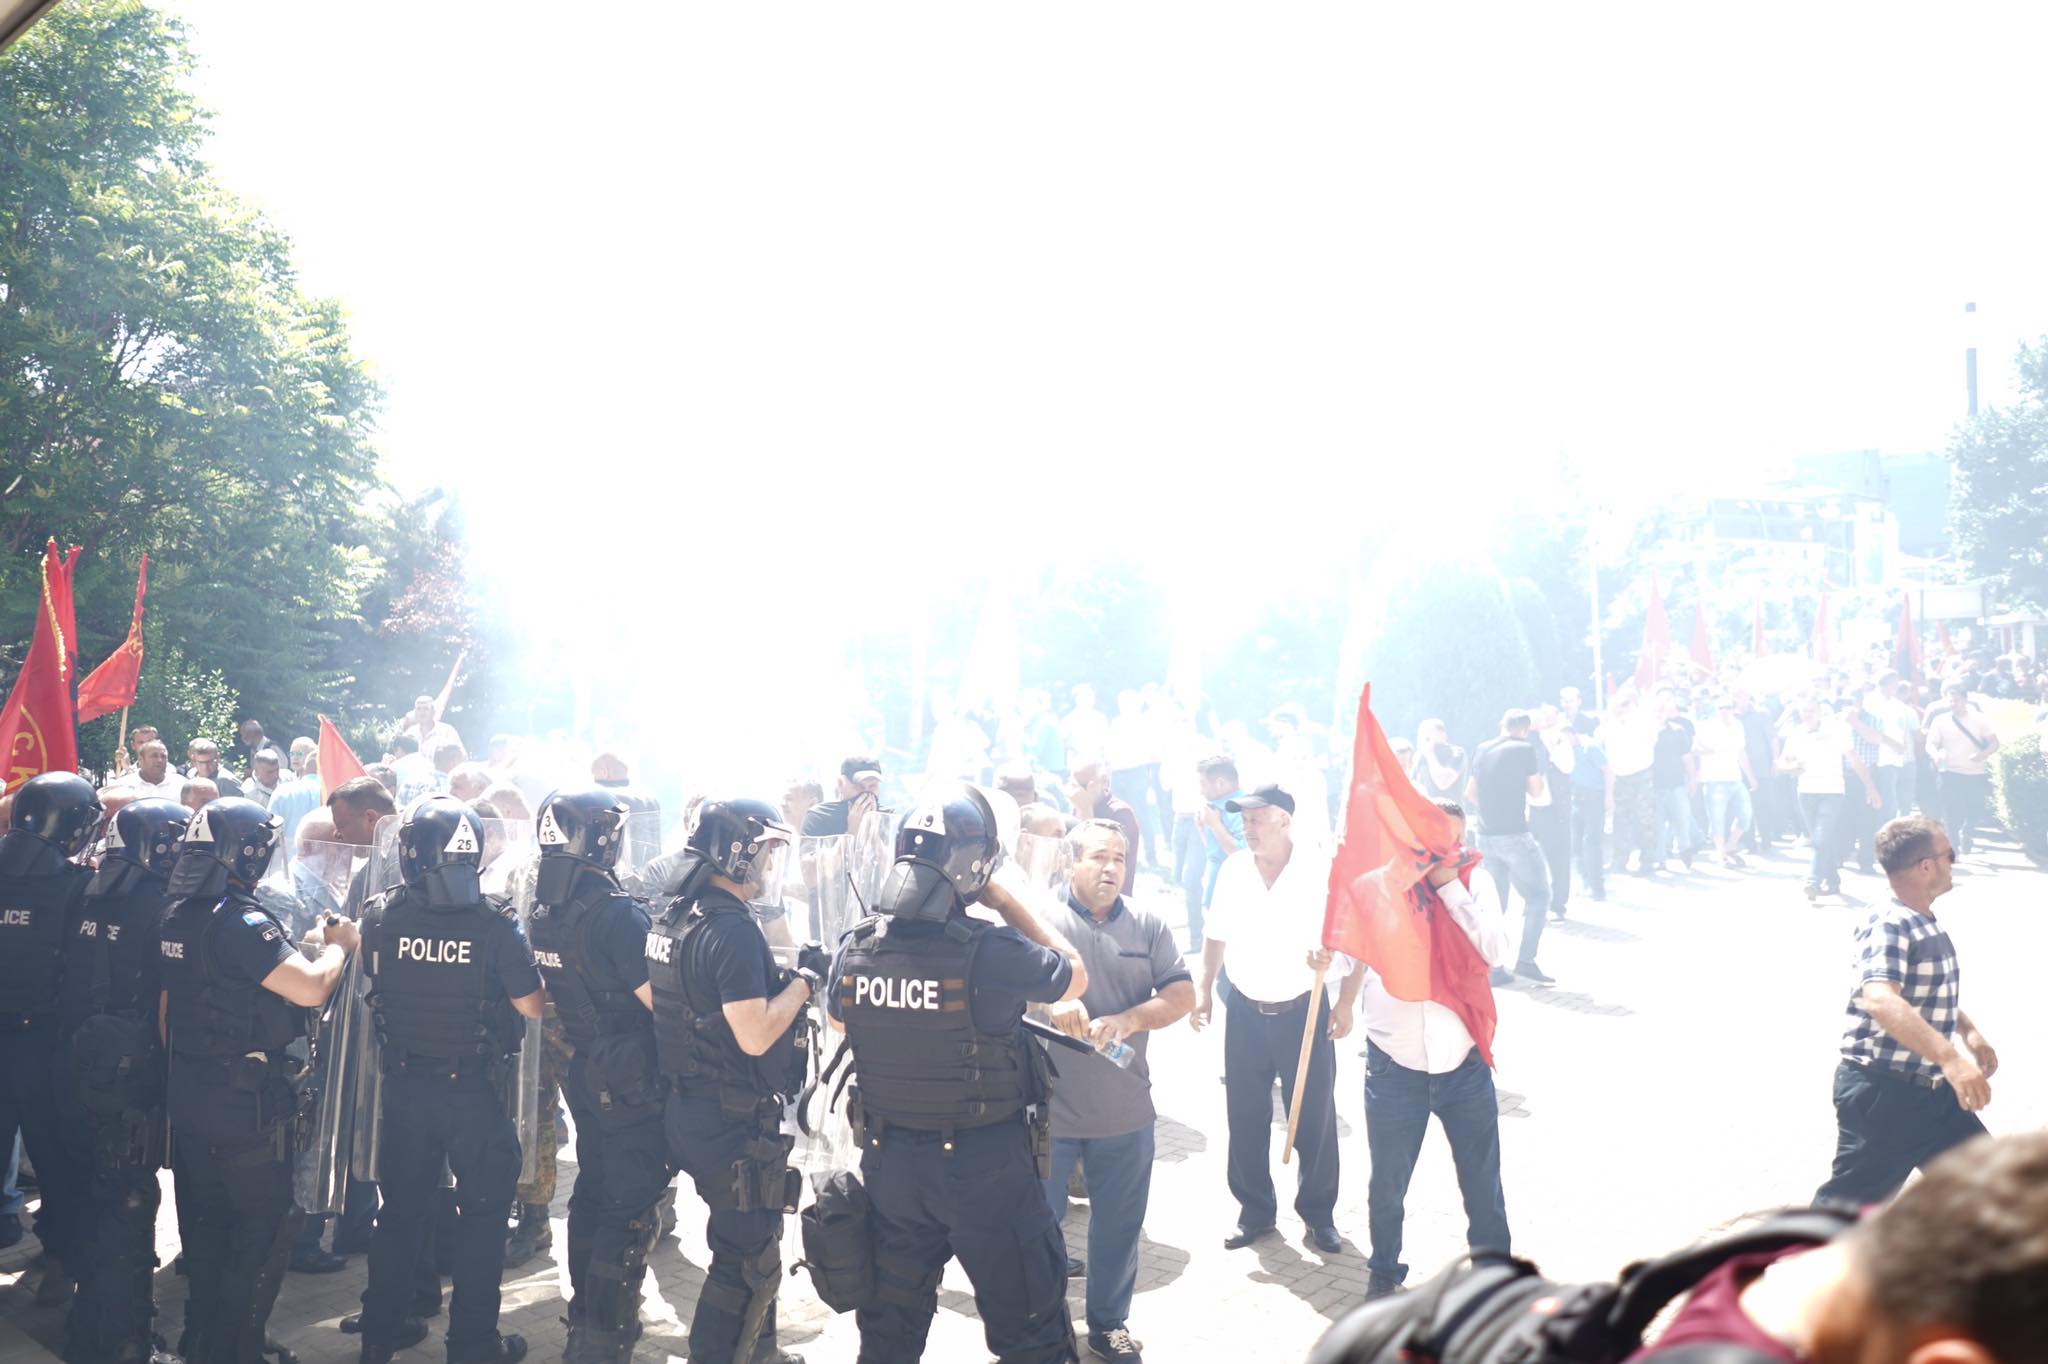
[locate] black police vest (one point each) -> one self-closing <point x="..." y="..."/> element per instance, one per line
<point x="213" y="1017"/>
<point x="101" y="975"/>
<point x="34" y="914"/>
<point x="430" y="981"/>
<point x="591" y="1001"/>
<point x="693" y="1042"/>
<point x="920" y="1060"/>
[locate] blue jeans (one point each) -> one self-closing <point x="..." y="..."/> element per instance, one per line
<point x="1674" y="822"/>
<point x="1118" y="1173"/>
<point x="1727" y="803"/>
<point x="1516" y="860"/>
<point x="1823" y="825"/>
<point x="1398" y="1102"/>
<point x="1190" y="873"/>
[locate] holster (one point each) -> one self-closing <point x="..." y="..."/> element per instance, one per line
<point x="762" y="1179"/>
<point x="1041" y="1138"/>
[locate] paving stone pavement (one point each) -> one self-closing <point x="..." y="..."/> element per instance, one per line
<point x="1675" y="1078"/>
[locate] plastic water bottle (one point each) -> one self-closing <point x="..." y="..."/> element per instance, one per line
<point x="1118" y="1054"/>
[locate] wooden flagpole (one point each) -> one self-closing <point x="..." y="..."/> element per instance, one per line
<point x="1308" y="1041"/>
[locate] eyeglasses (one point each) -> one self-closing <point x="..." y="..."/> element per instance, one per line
<point x="1949" y="857"/>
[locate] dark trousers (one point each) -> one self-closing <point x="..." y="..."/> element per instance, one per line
<point x="1515" y="859"/>
<point x="1589" y="836"/>
<point x="1398" y="1103"/>
<point x="983" y="1203"/>
<point x="1258" y="1046"/>
<point x="28" y="1100"/>
<point x="622" y="1171"/>
<point x="1552" y="828"/>
<point x="235" y="1226"/>
<point x="1887" y="1127"/>
<point x="1635" y="820"/>
<point x="431" y="1120"/>
<point x="111" y="1315"/>
<point x="1962" y="806"/>
<point x="746" y="1247"/>
<point x="1823" y="815"/>
<point x="1118" y="1174"/>
<point x="1190" y="873"/>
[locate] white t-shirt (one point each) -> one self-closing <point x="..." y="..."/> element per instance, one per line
<point x="1268" y="931"/>
<point x="1895" y="721"/>
<point x="1819" y="755"/>
<point x="1422" y="1034"/>
<point x="1719" y="744"/>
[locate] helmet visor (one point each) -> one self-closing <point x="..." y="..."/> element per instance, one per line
<point x="766" y="873"/>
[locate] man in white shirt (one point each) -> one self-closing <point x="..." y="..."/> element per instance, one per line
<point x="1420" y="1059"/>
<point x="1897" y="729"/>
<point x="426" y="725"/>
<point x="1267" y="920"/>
<point x="152" y="776"/>
<point x="1722" y="751"/>
<point x="1814" y="750"/>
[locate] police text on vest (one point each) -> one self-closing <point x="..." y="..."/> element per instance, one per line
<point x="438" y="951"/>
<point x="890" y="993"/>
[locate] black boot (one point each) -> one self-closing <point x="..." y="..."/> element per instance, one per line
<point x="587" y="1345"/>
<point x="534" y="1233"/>
<point x="411" y="1332"/>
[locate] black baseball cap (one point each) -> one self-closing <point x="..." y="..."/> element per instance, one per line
<point x="1261" y="797"/>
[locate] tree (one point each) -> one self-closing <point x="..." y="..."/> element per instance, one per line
<point x="164" y="385"/>
<point x="2000" y="503"/>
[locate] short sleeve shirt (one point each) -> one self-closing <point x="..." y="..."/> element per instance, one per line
<point x="1819" y="755"/>
<point x="1912" y="951"/>
<point x="618" y="941"/>
<point x="736" y="957"/>
<point x="1501" y="769"/>
<point x="1667" y="758"/>
<point x="1130" y="957"/>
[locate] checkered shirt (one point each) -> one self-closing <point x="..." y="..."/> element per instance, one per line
<point x="1913" y="952"/>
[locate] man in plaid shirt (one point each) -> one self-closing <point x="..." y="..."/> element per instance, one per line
<point x="1914" y="1069"/>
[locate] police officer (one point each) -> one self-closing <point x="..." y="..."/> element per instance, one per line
<point x="729" y="1027"/>
<point x="114" y="1081"/>
<point x="236" y="990"/>
<point x="41" y="894"/>
<point x="949" y="1093"/>
<point x="450" y="976"/>
<point x="590" y="939"/>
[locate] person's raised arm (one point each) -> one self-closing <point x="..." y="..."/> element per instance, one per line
<point x="310" y="984"/>
<point x="1025" y="922"/>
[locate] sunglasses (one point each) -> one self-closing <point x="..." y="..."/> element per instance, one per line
<point x="1949" y="857"/>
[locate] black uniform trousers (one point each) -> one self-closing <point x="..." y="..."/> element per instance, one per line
<point x="622" y="1169"/>
<point x="432" y="1117"/>
<point x="115" y="1305"/>
<point x="984" y="1203"/>
<point x="746" y="1247"/>
<point x="236" y="1221"/>
<point x="28" y="1101"/>
<point x="1258" y="1045"/>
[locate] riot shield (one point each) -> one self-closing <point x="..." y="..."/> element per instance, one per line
<point x="643" y="835"/>
<point x="1046" y="862"/>
<point x="842" y="877"/>
<point x="315" y="885"/>
<point x="513" y="874"/>
<point x="367" y="1111"/>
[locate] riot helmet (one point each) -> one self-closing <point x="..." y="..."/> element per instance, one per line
<point x="230" y="842"/>
<point x="946" y="851"/>
<point x="142" y="843"/>
<point x="56" y="815"/>
<point x="575" y="830"/>
<point x="746" y="842"/>
<point x="441" y="851"/>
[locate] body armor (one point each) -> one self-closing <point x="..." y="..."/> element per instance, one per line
<point x="430" y="981"/>
<point x="694" y="1044"/>
<point x="102" y="968"/>
<point x="36" y="911"/>
<point x="592" y="1003"/>
<point x="211" y="1017"/>
<point x="920" y="1060"/>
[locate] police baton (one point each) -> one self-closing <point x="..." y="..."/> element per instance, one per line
<point x="1052" y="1034"/>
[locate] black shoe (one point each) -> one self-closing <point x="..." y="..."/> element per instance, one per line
<point x="1325" y="1239"/>
<point x="10" y="1230"/>
<point x="1529" y="970"/>
<point x="1076" y="1269"/>
<point x="1831" y="887"/>
<point x="768" y="1352"/>
<point x="1501" y="977"/>
<point x="411" y="1332"/>
<point x="313" y="1260"/>
<point x="1116" y="1346"/>
<point x="1244" y="1236"/>
<point x="511" y="1349"/>
<point x="56" y="1288"/>
<point x="1380" y="1286"/>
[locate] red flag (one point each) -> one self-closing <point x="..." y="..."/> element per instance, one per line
<point x="37" y="730"/>
<point x="1820" y="632"/>
<point x="111" y="686"/>
<point x="1908" y="661"/>
<point x="1702" y="649"/>
<point x="447" y="690"/>
<point x="1656" y="642"/>
<point x="1380" y="911"/>
<point x="338" y="762"/>
<point x="1948" y="650"/>
<point x="1756" y="630"/>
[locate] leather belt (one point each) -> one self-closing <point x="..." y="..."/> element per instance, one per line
<point x="1271" y="1010"/>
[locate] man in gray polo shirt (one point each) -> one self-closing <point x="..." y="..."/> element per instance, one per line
<point x="1102" y="1113"/>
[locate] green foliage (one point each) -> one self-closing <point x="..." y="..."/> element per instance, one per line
<point x="165" y="386"/>
<point x="1441" y="640"/>
<point x="2019" y="792"/>
<point x="2000" y="502"/>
